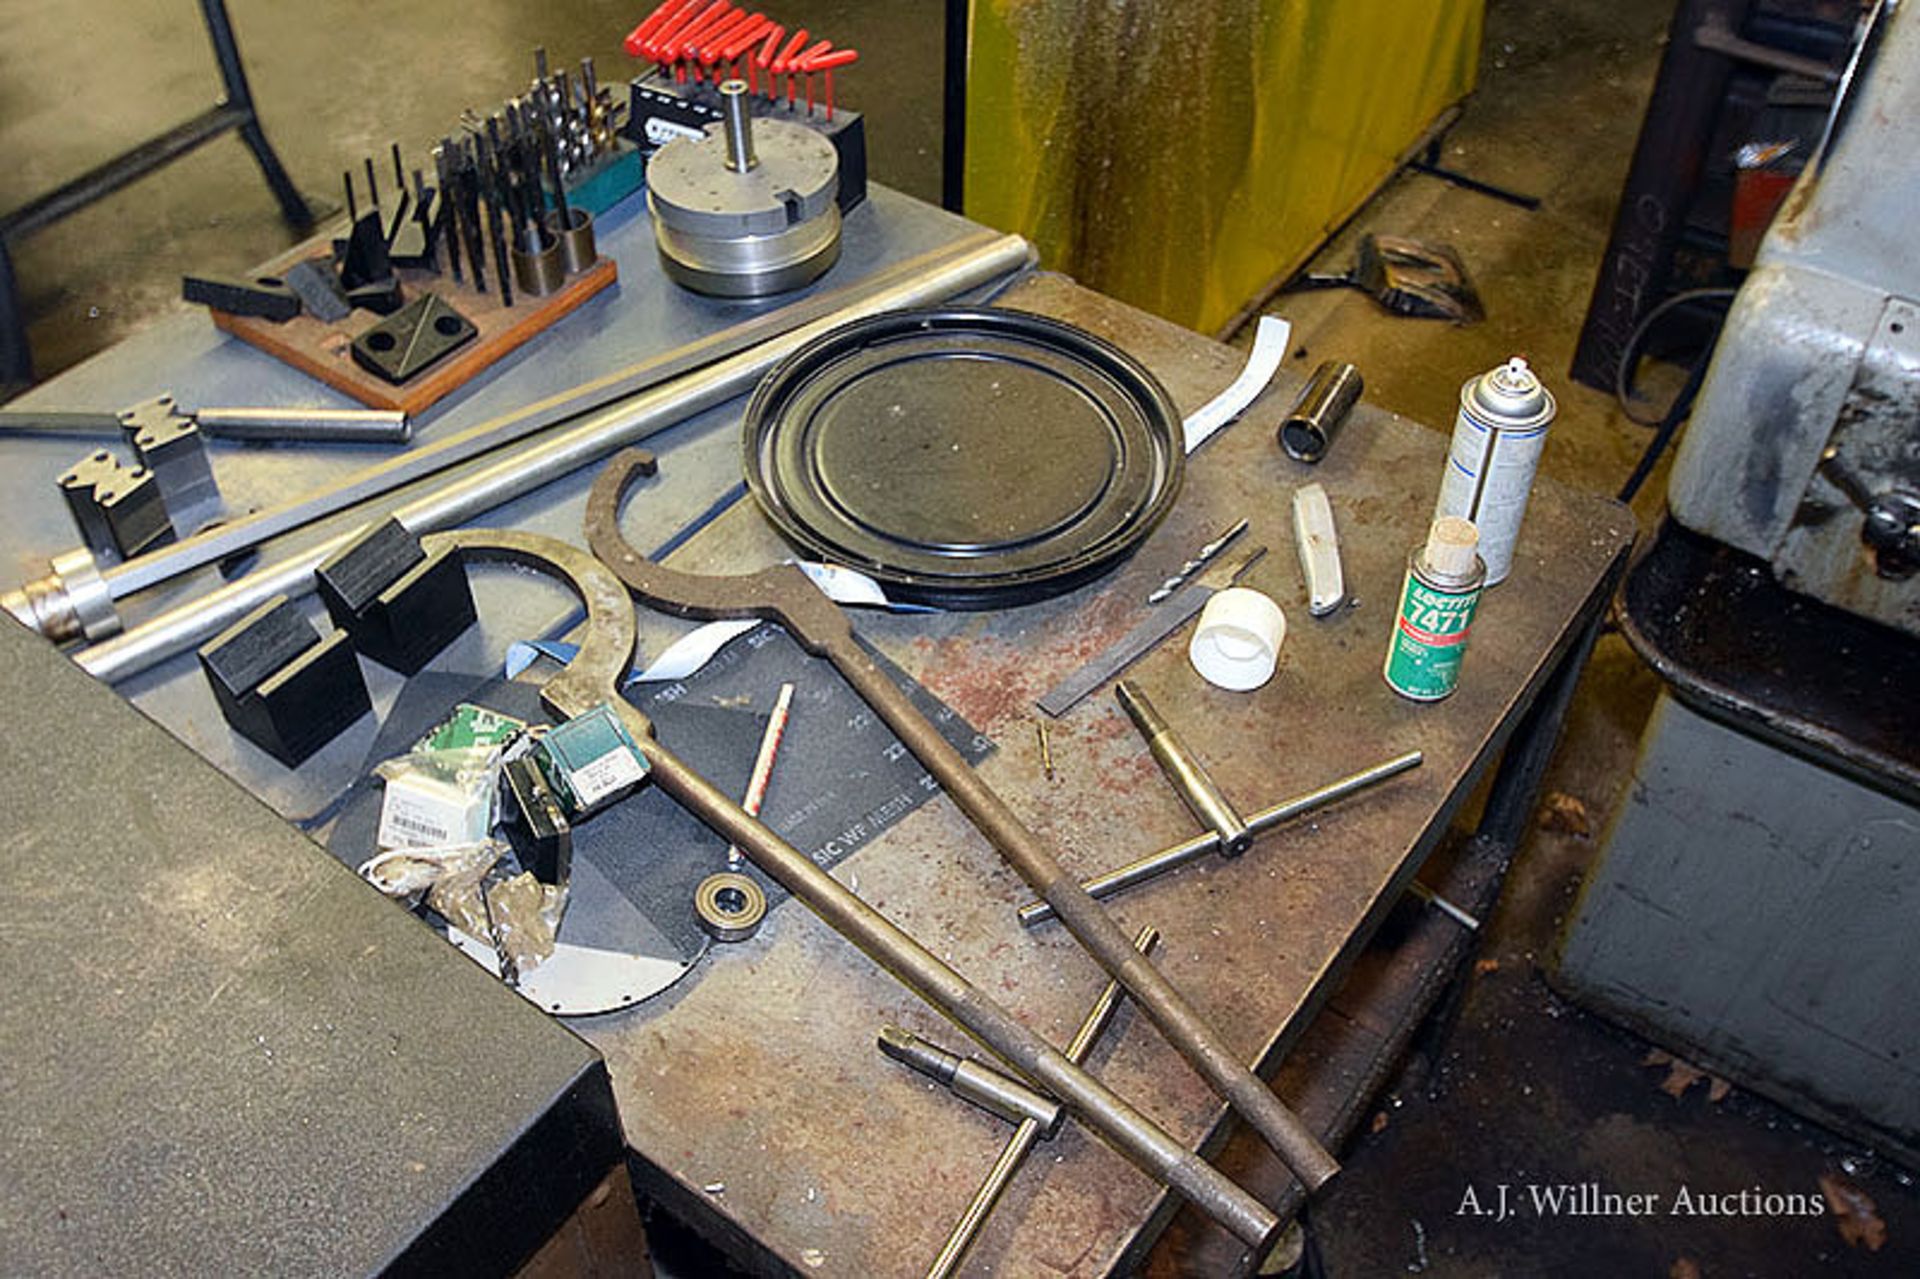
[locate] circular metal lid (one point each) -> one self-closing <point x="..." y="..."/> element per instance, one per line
<point x="965" y="458"/>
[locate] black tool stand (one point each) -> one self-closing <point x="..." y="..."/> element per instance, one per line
<point x="235" y="111"/>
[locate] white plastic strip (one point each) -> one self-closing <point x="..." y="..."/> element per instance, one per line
<point x="1269" y="348"/>
<point x="693" y="650"/>
<point x="696" y="648"/>
<point x="845" y="585"/>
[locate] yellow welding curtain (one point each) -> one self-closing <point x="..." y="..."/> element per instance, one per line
<point x="1180" y="155"/>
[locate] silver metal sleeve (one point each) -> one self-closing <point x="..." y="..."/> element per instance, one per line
<point x="1324" y="404"/>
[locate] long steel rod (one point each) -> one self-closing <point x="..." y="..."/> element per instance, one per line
<point x="1103" y="1110"/>
<point x="62" y="422"/>
<point x="1153" y="865"/>
<point x="748" y="339"/>
<point x="932" y="279"/>
<point x="334" y="426"/>
<point x="1021" y="1144"/>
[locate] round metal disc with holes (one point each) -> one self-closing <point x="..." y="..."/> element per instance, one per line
<point x="969" y="459"/>
<point x="729" y="233"/>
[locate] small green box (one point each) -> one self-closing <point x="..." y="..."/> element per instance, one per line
<point x="591" y="759"/>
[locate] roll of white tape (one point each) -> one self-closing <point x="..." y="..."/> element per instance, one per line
<point x="1238" y="640"/>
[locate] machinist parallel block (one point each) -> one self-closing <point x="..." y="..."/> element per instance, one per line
<point x="170" y="445"/>
<point x="119" y="510"/>
<point x="280" y="685"/>
<point x="400" y="604"/>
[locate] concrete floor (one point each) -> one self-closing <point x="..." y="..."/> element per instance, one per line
<point x="1526" y="1088"/>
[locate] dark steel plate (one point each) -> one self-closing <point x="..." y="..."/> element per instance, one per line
<point x="966" y="458"/>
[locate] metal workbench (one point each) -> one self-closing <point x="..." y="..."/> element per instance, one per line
<point x="753" y="1101"/>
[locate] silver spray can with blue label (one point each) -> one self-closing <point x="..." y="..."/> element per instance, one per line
<point x="1502" y="427"/>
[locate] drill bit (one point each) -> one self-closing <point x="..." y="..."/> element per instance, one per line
<point x="561" y="211"/>
<point x="469" y="180"/>
<point x="449" y="221"/>
<point x="1198" y="562"/>
<point x="496" y="215"/>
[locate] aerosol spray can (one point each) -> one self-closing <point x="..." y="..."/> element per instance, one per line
<point x="1437" y="600"/>
<point x="1497" y="438"/>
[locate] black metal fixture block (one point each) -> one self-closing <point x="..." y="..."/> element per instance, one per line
<point x="280" y="685"/>
<point x="400" y="605"/>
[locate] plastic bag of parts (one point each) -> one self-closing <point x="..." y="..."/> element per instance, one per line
<point x="405" y="873"/>
<point x="526" y="917"/>
<point x="519" y="917"/>
<point x="438" y="799"/>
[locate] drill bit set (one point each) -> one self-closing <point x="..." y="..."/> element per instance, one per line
<point x="581" y="115"/>
<point x="500" y="176"/>
<point x="561" y="135"/>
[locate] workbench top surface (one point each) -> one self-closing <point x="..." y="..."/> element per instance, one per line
<point x="757" y="1089"/>
<point x="751" y="1092"/>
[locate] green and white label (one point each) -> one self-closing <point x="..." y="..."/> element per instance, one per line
<point x="1429" y="640"/>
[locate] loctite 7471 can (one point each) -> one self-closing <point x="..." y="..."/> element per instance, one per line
<point x="1437" y="602"/>
<point x="1497" y="438"/>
